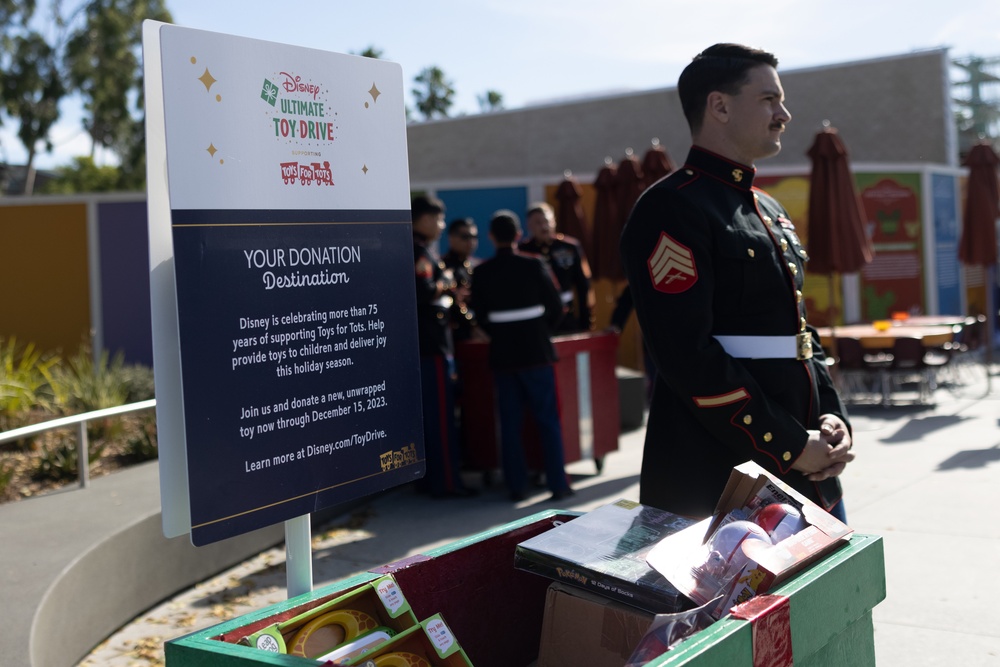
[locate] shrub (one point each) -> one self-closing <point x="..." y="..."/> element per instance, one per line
<point x="143" y="445"/>
<point x="25" y="382"/>
<point x="138" y="382"/>
<point x="7" y="470"/>
<point x="58" y="459"/>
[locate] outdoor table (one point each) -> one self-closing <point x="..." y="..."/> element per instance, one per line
<point x="929" y="321"/>
<point x="871" y="338"/>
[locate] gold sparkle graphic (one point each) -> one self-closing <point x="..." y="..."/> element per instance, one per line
<point x="218" y="98"/>
<point x="212" y="150"/>
<point x="374" y="92"/>
<point x="193" y="60"/>
<point x="365" y="169"/>
<point x="207" y="79"/>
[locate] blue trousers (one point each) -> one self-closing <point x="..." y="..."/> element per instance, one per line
<point x="536" y="389"/>
<point x="441" y="445"/>
<point x="838" y="511"/>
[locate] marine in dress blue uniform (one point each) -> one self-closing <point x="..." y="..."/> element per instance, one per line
<point x="716" y="272"/>
<point x="433" y="285"/>
<point x="518" y="305"/>
<point x="569" y="265"/>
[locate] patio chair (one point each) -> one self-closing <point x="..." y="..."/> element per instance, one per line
<point x="859" y="373"/>
<point x="911" y="362"/>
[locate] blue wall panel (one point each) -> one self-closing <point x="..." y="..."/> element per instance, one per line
<point x="944" y="197"/>
<point x="124" y="245"/>
<point x="480" y="205"/>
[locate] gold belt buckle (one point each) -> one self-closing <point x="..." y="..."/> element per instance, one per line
<point x="803" y="345"/>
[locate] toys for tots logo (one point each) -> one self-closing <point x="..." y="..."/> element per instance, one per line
<point x="301" y="118"/>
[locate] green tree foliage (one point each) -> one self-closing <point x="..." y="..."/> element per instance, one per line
<point x="370" y="52"/>
<point x="433" y="93"/>
<point x="103" y="63"/>
<point x="85" y="176"/>
<point x="489" y="101"/>
<point x="32" y="87"/>
<point x="94" y="51"/>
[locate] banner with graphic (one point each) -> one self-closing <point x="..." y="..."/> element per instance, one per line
<point x="893" y="282"/>
<point x="289" y="240"/>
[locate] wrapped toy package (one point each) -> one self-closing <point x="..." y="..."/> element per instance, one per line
<point x="762" y="532"/>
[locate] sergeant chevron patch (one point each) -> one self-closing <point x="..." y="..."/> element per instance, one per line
<point x="671" y="266"/>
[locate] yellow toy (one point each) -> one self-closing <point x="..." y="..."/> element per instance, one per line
<point x="324" y="633"/>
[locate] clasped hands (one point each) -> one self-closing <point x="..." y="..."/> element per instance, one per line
<point x="827" y="451"/>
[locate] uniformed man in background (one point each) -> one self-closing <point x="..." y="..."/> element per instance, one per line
<point x="435" y="285"/>
<point x="463" y="238"/>
<point x="517" y="303"/>
<point x="716" y="272"/>
<point x="568" y="262"/>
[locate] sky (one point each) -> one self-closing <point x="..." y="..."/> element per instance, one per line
<point x="538" y="51"/>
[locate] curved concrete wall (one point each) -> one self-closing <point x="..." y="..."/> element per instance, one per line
<point x="119" y="578"/>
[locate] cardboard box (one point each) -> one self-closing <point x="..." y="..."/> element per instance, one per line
<point x="580" y="628"/>
<point x="604" y="551"/>
<point x="431" y="641"/>
<point x="679" y="556"/>
<point x="376" y="606"/>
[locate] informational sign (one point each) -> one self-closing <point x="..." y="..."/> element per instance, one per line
<point x="282" y="276"/>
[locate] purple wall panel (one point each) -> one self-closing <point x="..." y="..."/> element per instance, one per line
<point x="124" y="243"/>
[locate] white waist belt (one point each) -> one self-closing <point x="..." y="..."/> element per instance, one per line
<point x="517" y="315"/>
<point x="768" y="347"/>
<point x="566" y="297"/>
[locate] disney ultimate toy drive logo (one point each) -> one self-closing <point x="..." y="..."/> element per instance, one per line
<point x="301" y="119"/>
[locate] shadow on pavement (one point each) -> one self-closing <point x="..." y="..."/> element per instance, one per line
<point x="971" y="458"/>
<point x="917" y="429"/>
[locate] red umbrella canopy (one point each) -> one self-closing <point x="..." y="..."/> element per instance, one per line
<point x="656" y="164"/>
<point x="605" y="260"/>
<point x="630" y="186"/>
<point x="837" y="238"/>
<point x="978" y="245"/>
<point x="569" y="216"/>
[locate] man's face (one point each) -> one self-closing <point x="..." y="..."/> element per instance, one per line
<point x="758" y="115"/>
<point x="464" y="241"/>
<point x="542" y="226"/>
<point x="430" y="226"/>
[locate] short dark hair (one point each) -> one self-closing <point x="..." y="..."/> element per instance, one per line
<point x="422" y="205"/>
<point x="505" y="226"/>
<point x="459" y="224"/>
<point x="723" y="68"/>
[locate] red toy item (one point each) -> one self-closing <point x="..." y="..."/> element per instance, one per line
<point x="780" y="520"/>
<point x="726" y="558"/>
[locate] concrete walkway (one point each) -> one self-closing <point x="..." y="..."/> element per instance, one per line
<point x="926" y="480"/>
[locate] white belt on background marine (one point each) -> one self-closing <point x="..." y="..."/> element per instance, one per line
<point x="517" y="314"/>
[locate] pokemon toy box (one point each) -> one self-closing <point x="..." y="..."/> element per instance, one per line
<point x="347" y="627"/>
<point x="762" y="532"/>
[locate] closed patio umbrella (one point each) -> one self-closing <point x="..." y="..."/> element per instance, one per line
<point x="628" y="185"/>
<point x="569" y="217"/>
<point x="978" y="243"/>
<point x="838" y="242"/>
<point x="656" y="164"/>
<point x="605" y="260"/>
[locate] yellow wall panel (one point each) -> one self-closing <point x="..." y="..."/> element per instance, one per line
<point x="44" y="275"/>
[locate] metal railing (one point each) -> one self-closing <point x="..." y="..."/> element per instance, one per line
<point x="80" y="422"/>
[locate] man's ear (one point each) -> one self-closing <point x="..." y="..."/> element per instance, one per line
<point x="717" y="106"/>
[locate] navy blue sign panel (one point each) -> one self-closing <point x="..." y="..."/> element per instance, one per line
<point x="300" y="367"/>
